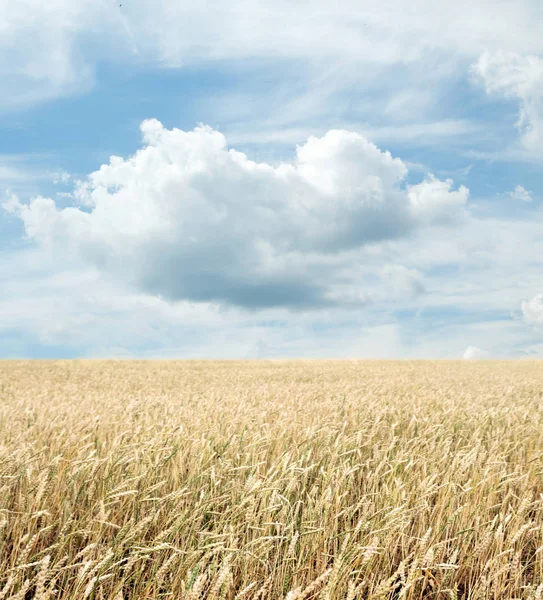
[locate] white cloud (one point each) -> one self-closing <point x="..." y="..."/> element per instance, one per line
<point x="532" y="310"/>
<point x="521" y="193"/>
<point x="434" y="202"/>
<point x="520" y="77"/>
<point x="11" y="204"/>
<point x="64" y="39"/>
<point x="474" y="276"/>
<point x="187" y="218"/>
<point x="372" y="28"/>
<point x="60" y="177"/>
<point x="58" y="302"/>
<point x="40" y="57"/>
<point x="473" y="352"/>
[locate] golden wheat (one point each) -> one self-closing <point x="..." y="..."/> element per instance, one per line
<point x="271" y="480"/>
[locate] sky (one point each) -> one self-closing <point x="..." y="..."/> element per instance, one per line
<point x="351" y="179"/>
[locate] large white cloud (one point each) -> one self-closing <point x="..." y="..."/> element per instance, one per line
<point x="187" y="218"/>
<point x="60" y="307"/>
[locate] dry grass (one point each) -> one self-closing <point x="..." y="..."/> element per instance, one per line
<point x="271" y="480"/>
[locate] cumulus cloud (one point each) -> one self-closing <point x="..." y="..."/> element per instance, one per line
<point x="473" y="352"/>
<point x="520" y="77"/>
<point x="521" y="193"/>
<point x="188" y="218"/>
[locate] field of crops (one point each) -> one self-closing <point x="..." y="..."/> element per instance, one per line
<point x="271" y="480"/>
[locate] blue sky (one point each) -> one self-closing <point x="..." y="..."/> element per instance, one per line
<point x="271" y="179"/>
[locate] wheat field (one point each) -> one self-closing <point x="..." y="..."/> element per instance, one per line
<point x="271" y="480"/>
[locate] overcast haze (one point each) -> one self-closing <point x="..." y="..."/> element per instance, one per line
<point x="263" y="180"/>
